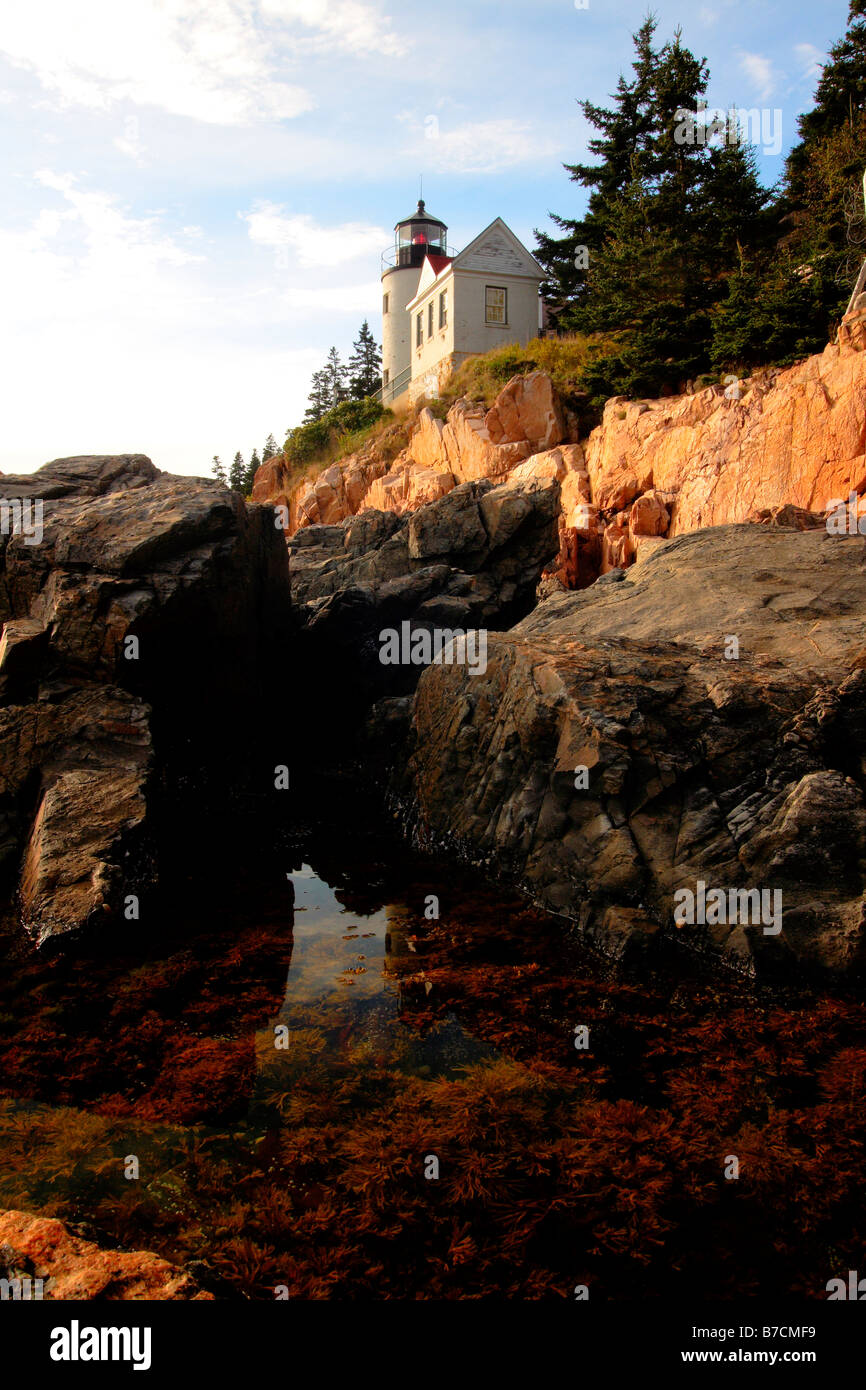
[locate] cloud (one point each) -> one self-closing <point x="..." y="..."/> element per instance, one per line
<point x="347" y="24"/>
<point x="760" y="71"/>
<point x="118" y="247"/>
<point x="217" y="61"/>
<point x="811" y="60"/>
<point x="122" y="332"/>
<point x="480" y="147"/>
<point x="311" y="244"/>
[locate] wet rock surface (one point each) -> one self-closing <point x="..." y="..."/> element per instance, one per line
<point x="737" y="763"/>
<point x="115" y="683"/>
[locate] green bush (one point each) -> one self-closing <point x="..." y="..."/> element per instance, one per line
<point x="326" y="438"/>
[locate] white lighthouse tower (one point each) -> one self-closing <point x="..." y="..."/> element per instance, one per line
<point x="415" y="238"/>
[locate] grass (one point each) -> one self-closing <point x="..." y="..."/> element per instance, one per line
<point x="480" y="378"/>
<point x="564" y="359"/>
<point x="388" y="436"/>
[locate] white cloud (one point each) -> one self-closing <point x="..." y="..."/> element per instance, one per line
<point x="310" y="243"/>
<point x="119" y="247"/>
<point x="218" y="61"/>
<point x="479" y="147"/>
<point x="811" y="60"/>
<point x="346" y="24"/>
<point x="124" y="334"/>
<point x="760" y="71"/>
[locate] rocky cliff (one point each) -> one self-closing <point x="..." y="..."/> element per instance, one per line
<point x="138" y="624"/>
<point x="651" y="469"/>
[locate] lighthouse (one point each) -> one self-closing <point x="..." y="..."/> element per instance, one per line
<point x="415" y="239"/>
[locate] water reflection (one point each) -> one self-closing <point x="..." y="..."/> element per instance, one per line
<point x="353" y="974"/>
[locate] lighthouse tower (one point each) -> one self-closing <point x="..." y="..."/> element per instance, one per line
<point x="415" y="238"/>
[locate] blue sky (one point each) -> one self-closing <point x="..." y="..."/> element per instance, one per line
<point x="196" y="193"/>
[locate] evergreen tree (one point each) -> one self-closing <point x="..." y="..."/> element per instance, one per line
<point x="841" y="93"/>
<point x="319" y="397"/>
<point x="365" y="365"/>
<point x="785" y="303"/>
<point x="270" y="449"/>
<point x="621" y="146"/>
<point x="236" y="473"/>
<point x="669" y="214"/>
<point x="822" y="197"/>
<point x="250" y="472"/>
<point x="336" y="376"/>
<point x="218" y="470"/>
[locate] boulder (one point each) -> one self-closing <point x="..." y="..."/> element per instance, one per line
<point x="528" y="409"/>
<point x="113" y="683"/>
<point x="470" y="560"/>
<point x="621" y="746"/>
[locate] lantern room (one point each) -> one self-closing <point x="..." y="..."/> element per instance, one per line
<point x="418" y="236"/>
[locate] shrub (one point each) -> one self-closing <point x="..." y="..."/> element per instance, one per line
<point x="325" y="439"/>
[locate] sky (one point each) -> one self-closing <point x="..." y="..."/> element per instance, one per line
<point x="196" y="193"/>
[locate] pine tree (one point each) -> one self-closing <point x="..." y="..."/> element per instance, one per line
<point x="218" y="470"/>
<point x="841" y="93"/>
<point x="270" y="450"/>
<point x="670" y="213"/>
<point x="365" y="365"/>
<point x="621" y="146"/>
<point x="236" y="473"/>
<point x="250" y="472"/>
<point x="320" y="396"/>
<point x="822" y="196"/>
<point x="336" y="374"/>
<point x="784" y="304"/>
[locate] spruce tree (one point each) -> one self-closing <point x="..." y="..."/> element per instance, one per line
<point x="822" y="196"/>
<point x="365" y="365"/>
<point x="670" y="212"/>
<point x="320" y="397"/>
<point x="270" y="450"/>
<point x="236" y="473"/>
<point x="621" y="145"/>
<point x="250" y="472"/>
<point x="336" y="375"/>
<point x="786" y="301"/>
<point x="218" y="470"/>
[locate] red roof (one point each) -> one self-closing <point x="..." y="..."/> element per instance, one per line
<point x="439" y="262"/>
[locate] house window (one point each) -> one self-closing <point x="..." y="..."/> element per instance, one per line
<point x="495" y="304"/>
<point x="385" y="299"/>
<point x="385" y="376"/>
<point x="443" y="309"/>
<point x="419" y="331"/>
<point x="430" y="319"/>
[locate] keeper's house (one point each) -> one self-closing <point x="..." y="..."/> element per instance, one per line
<point x="438" y="309"/>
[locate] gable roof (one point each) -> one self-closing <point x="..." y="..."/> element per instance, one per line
<point x="497" y="248"/>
